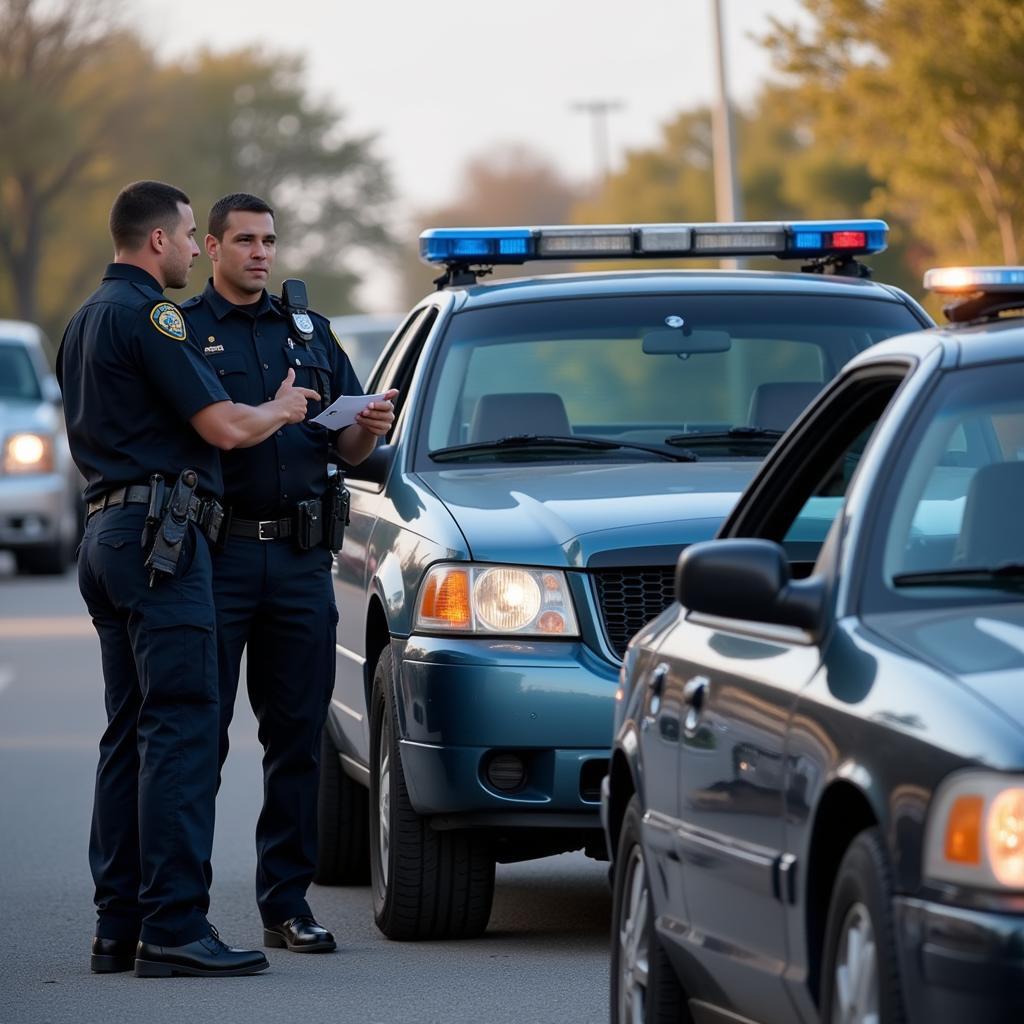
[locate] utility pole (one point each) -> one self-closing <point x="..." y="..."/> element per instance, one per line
<point x="728" y="202"/>
<point x="599" y="111"/>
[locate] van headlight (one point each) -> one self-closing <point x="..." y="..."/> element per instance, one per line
<point x="496" y="600"/>
<point x="28" y="453"/>
<point x="975" y="832"/>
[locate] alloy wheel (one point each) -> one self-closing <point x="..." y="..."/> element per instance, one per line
<point x="855" y="995"/>
<point x="634" y="969"/>
<point x="384" y="801"/>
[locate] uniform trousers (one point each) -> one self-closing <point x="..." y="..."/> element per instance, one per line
<point x="278" y="604"/>
<point x="153" y="815"/>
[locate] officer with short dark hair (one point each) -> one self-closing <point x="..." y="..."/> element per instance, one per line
<point x="144" y="412"/>
<point x="272" y="578"/>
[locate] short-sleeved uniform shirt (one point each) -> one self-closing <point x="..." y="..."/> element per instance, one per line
<point x="251" y="349"/>
<point x="132" y="378"/>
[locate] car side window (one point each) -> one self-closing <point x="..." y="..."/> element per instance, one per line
<point x="398" y="367"/>
<point x="806" y="486"/>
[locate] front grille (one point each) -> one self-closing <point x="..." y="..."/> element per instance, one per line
<point x="630" y="598"/>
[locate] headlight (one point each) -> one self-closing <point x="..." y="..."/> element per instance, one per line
<point x="975" y="833"/>
<point x="28" y="453"/>
<point x="496" y="600"/>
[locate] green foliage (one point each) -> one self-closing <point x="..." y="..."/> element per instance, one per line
<point x="87" y="107"/>
<point x="929" y="95"/>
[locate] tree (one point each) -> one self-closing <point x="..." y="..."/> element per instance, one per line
<point x="87" y="107"/>
<point x="929" y="95"/>
<point x="67" y="80"/>
<point x="252" y="127"/>
<point x="785" y="172"/>
<point x="511" y="185"/>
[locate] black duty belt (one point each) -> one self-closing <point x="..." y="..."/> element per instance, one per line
<point x="204" y="512"/>
<point x="261" y="529"/>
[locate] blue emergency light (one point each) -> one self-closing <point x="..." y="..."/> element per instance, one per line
<point x="786" y="240"/>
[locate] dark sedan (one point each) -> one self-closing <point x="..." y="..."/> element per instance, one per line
<point x="816" y="798"/>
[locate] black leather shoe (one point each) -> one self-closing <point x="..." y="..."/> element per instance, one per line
<point x="300" y="935"/>
<point x="207" y="958"/>
<point x="111" y="955"/>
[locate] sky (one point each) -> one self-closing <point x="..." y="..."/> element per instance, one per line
<point x="439" y="85"/>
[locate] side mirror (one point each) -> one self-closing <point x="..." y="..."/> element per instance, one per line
<point x="747" y="580"/>
<point x="375" y="467"/>
<point x="51" y="390"/>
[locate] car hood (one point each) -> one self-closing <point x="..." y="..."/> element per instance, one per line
<point x="981" y="646"/>
<point x="38" y="416"/>
<point x="637" y="513"/>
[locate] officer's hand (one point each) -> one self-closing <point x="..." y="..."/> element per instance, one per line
<point x="294" y="399"/>
<point x="378" y="417"/>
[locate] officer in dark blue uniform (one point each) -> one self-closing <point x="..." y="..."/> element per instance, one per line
<point x="272" y="578"/>
<point x="144" y="411"/>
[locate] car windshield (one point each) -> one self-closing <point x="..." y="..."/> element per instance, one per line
<point x="718" y="376"/>
<point x="18" y="379"/>
<point x="955" y="517"/>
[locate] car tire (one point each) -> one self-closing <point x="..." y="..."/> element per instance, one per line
<point x="644" y="988"/>
<point x="860" y="974"/>
<point x="426" y="884"/>
<point x="52" y="560"/>
<point x="343" y="823"/>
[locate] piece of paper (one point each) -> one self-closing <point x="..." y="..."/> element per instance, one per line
<point x="342" y="412"/>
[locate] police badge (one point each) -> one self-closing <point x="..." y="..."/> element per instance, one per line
<point x="293" y="297"/>
<point x="167" y="319"/>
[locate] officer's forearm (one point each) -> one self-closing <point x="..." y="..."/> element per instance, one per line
<point x="354" y="444"/>
<point x="228" y="425"/>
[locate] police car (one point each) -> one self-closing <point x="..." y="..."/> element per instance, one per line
<point x="816" y="797"/>
<point x="559" y="439"/>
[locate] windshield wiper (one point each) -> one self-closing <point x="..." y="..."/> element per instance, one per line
<point x="1008" y="574"/>
<point x="759" y="435"/>
<point x="521" y="441"/>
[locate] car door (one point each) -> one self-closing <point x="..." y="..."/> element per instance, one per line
<point x="739" y="683"/>
<point x="351" y="569"/>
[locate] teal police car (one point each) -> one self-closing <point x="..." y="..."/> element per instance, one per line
<point x="559" y="440"/>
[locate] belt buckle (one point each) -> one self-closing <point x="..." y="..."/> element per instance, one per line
<point x="261" y="524"/>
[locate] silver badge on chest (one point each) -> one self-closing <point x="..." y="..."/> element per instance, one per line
<point x="303" y="325"/>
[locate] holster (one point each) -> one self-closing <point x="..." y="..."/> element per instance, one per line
<point x="309" y="524"/>
<point x="170" y="533"/>
<point x="336" y="505"/>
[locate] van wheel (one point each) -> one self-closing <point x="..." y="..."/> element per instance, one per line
<point x="343" y="823"/>
<point x="644" y="988"/>
<point x="426" y="884"/>
<point x="860" y="980"/>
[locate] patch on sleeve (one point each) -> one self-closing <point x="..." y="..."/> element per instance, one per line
<point x="167" y="319"/>
<point x="337" y="340"/>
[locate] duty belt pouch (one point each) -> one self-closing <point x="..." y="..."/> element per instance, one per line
<point x="163" y="558"/>
<point x="309" y="524"/>
<point x="337" y="499"/>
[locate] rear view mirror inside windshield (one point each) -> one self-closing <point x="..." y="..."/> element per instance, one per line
<point x="673" y="341"/>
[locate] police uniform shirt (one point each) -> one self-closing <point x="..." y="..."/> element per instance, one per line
<point x="251" y="348"/>
<point x="132" y="378"/>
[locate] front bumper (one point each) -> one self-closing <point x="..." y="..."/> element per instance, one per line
<point x="33" y="509"/>
<point x="960" y="964"/>
<point x="462" y="702"/>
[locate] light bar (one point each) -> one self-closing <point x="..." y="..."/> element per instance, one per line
<point x="786" y="240"/>
<point x="974" y="280"/>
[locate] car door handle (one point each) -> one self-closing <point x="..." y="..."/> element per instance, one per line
<point x="694" y="692"/>
<point x="656" y="680"/>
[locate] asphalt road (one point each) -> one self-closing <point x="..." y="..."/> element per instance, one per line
<point x="544" y="958"/>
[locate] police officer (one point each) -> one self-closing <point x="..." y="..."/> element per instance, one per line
<point x="144" y="411"/>
<point x="272" y="578"/>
